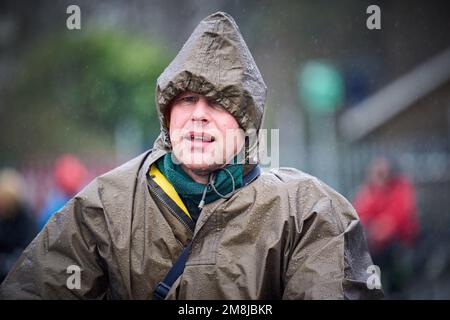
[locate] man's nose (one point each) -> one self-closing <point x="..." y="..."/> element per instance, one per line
<point x="201" y="111"/>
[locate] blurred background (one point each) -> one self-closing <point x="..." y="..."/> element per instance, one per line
<point x="367" y="111"/>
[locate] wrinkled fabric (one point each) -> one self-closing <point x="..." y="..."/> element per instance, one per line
<point x="286" y="235"/>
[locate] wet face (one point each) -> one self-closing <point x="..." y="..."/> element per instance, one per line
<point x="203" y="134"/>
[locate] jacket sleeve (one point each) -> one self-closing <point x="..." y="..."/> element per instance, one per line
<point x="62" y="262"/>
<point x="330" y="259"/>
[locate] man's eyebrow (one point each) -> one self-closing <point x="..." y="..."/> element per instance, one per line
<point x="215" y="101"/>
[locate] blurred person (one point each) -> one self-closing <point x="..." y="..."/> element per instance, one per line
<point x="69" y="176"/>
<point x="194" y="217"/>
<point x="17" y="224"/>
<point x="386" y="205"/>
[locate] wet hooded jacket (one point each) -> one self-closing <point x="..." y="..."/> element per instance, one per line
<point x="285" y="235"/>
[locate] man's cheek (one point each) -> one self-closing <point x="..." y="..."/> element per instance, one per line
<point x="234" y="141"/>
<point x="176" y="136"/>
<point x="182" y="153"/>
<point x="216" y="153"/>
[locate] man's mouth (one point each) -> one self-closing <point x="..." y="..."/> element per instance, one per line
<point x="200" y="137"/>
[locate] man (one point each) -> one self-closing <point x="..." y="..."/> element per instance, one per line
<point x="277" y="235"/>
<point x="386" y="203"/>
<point x="17" y="223"/>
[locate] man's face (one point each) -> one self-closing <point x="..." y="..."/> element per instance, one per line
<point x="379" y="171"/>
<point x="203" y="134"/>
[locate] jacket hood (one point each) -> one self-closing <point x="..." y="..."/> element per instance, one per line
<point x="215" y="62"/>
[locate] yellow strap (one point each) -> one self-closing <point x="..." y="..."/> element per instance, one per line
<point x="167" y="187"/>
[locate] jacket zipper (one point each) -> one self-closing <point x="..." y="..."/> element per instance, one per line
<point x="170" y="209"/>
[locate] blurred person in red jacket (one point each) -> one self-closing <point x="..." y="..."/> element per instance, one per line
<point x="386" y="205"/>
<point x="69" y="175"/>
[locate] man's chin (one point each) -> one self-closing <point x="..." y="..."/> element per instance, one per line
<point x="203" y="168"/>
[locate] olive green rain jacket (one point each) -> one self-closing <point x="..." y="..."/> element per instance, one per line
<point x="286" y="235"/>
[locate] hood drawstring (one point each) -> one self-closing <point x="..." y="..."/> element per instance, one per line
<point x="202" y="201"/>
<point x="210" y="185"/>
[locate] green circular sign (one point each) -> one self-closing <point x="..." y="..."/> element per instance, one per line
<point x="321" y="87"/>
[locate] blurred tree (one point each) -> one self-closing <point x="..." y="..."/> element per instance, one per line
<point x="74" y="90"/>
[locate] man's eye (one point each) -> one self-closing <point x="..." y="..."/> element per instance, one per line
<point x="189" y="99"/>
<point x="216" y="105"/>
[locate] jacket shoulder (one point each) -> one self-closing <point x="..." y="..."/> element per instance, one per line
<point x="116" y="183"/>
<point x="310" y="193"/>
<point x="287" y="174"/>
<point x="128" y="170"/>
<point x="287" y="178"/>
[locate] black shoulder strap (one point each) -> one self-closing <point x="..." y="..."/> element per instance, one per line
<point x="163" y="287"/>
<point x="252" y="175"/>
